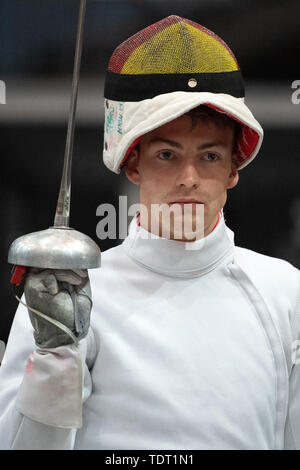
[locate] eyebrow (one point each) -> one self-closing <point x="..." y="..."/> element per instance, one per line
<point x="173" y="143"/>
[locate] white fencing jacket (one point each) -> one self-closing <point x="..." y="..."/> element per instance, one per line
<point x="187" y="349"/>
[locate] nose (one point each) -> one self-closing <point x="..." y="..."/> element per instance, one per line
<point x="188" y="176"/>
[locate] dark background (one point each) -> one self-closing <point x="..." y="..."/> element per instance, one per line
<point x="37" y="40"/>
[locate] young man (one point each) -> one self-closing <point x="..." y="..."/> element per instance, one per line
<point x="191" y="343"/>
<point x="184" y="164"/>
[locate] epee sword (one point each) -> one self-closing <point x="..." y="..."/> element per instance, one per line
<point x="59" y="247"/>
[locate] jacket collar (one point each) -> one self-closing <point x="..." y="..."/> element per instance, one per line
<point x="175" y="258"/>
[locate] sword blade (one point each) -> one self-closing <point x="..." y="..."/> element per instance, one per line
<point x="62" y="215"/>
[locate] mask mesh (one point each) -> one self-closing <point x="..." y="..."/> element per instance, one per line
<point x="173" y="45"/>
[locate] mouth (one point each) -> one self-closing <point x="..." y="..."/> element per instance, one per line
<point x="186" y="201"/>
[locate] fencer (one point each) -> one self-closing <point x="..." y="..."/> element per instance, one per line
<point x="184" y="343"/>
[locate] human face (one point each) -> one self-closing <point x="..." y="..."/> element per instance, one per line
<point x="177" y="162"/>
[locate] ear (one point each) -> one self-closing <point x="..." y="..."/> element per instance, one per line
<point x="132" y="167"/>
<point x="234" y="176"/>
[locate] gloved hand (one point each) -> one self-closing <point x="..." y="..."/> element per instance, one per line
<point x="65" y="297"/>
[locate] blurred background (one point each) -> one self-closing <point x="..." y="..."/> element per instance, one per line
<point x="37" y="42"/>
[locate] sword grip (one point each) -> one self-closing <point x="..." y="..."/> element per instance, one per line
<point x="18" y="274"/>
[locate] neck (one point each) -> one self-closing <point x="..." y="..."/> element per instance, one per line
<point x="159" y="231"/>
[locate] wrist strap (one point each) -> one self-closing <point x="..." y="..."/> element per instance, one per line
<point x="51" y="320"/>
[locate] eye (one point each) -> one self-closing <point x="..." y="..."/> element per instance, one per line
<point x="165" y="155"/>
<point x="211" y="157"/>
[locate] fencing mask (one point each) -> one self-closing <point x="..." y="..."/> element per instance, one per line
<point x="164" y="71"/>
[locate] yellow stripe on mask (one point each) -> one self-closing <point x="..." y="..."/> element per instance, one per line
<point x="180" y="48"/>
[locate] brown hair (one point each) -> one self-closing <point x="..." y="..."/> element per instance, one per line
<point x="206" y="114"/>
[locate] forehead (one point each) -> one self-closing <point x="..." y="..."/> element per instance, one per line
<point x="184" y="128"/>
